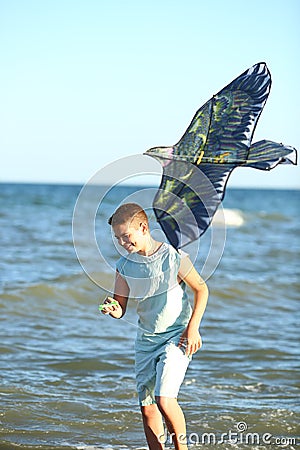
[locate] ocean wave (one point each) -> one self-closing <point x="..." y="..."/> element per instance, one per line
<point x="274" y="217"/>
<point x="77" y="287"/>
<point x="229" y="217"/>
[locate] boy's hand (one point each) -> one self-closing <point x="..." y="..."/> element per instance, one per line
<point x="191" y="340"/>
<point x="111" y="306"/>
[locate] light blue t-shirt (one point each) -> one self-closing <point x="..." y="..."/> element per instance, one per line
<point x="163" y="306"/>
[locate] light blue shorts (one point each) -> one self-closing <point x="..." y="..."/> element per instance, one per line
<point x="161" y="372"/>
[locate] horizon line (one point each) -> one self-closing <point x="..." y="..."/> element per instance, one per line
<point x="59" y="183"/>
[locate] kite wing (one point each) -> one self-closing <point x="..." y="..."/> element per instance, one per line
<point x="197" y="168"/>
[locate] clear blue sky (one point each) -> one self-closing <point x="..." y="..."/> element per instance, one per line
<point x="84" y="83"/>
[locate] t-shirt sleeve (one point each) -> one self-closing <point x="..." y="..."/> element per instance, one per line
<point x="183" y="254"/>
<point x="120" y="265"/>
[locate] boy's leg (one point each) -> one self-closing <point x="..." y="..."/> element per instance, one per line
<point x="170" y="372"/>
<point x="175" y="421"/>
<point x="153" y="426"/>
<point x="145" y="369"/>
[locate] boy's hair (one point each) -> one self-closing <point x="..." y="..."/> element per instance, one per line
<point x="129" y="212"/>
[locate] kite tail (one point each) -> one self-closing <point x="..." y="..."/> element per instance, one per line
<point x="265" y="155"/>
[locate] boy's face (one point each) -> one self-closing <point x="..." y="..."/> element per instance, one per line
<point x="131" y="236"/>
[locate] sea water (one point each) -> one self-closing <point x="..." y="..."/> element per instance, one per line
<point x="67" y="372"/>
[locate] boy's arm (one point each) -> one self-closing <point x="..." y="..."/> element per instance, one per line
<point x="191" y="337"/>
<point x="121" y="293"/>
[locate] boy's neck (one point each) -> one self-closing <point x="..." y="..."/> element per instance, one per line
<point x="150" y="248"/>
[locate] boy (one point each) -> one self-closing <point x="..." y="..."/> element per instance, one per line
<point x="168" y="333"/>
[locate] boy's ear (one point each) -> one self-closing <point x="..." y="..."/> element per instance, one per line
<point x="144" y="227"/>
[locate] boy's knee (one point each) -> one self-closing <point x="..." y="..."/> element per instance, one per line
<point x="149" y="411"/>
<point x="165" y="403"/>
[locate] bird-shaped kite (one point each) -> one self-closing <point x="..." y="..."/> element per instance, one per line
<point x="219" y="138"/>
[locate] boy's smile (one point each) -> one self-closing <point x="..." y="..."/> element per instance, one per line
<point x="130" y="237"/>
<point x="135" y="237"/>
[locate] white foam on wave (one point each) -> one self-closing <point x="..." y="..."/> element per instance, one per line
<point x="120" y="447"/>
<point x="93" y="447"/>
<point x="232" y="217"/>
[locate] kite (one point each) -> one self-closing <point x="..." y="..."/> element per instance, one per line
<point x="218" y="139"/>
